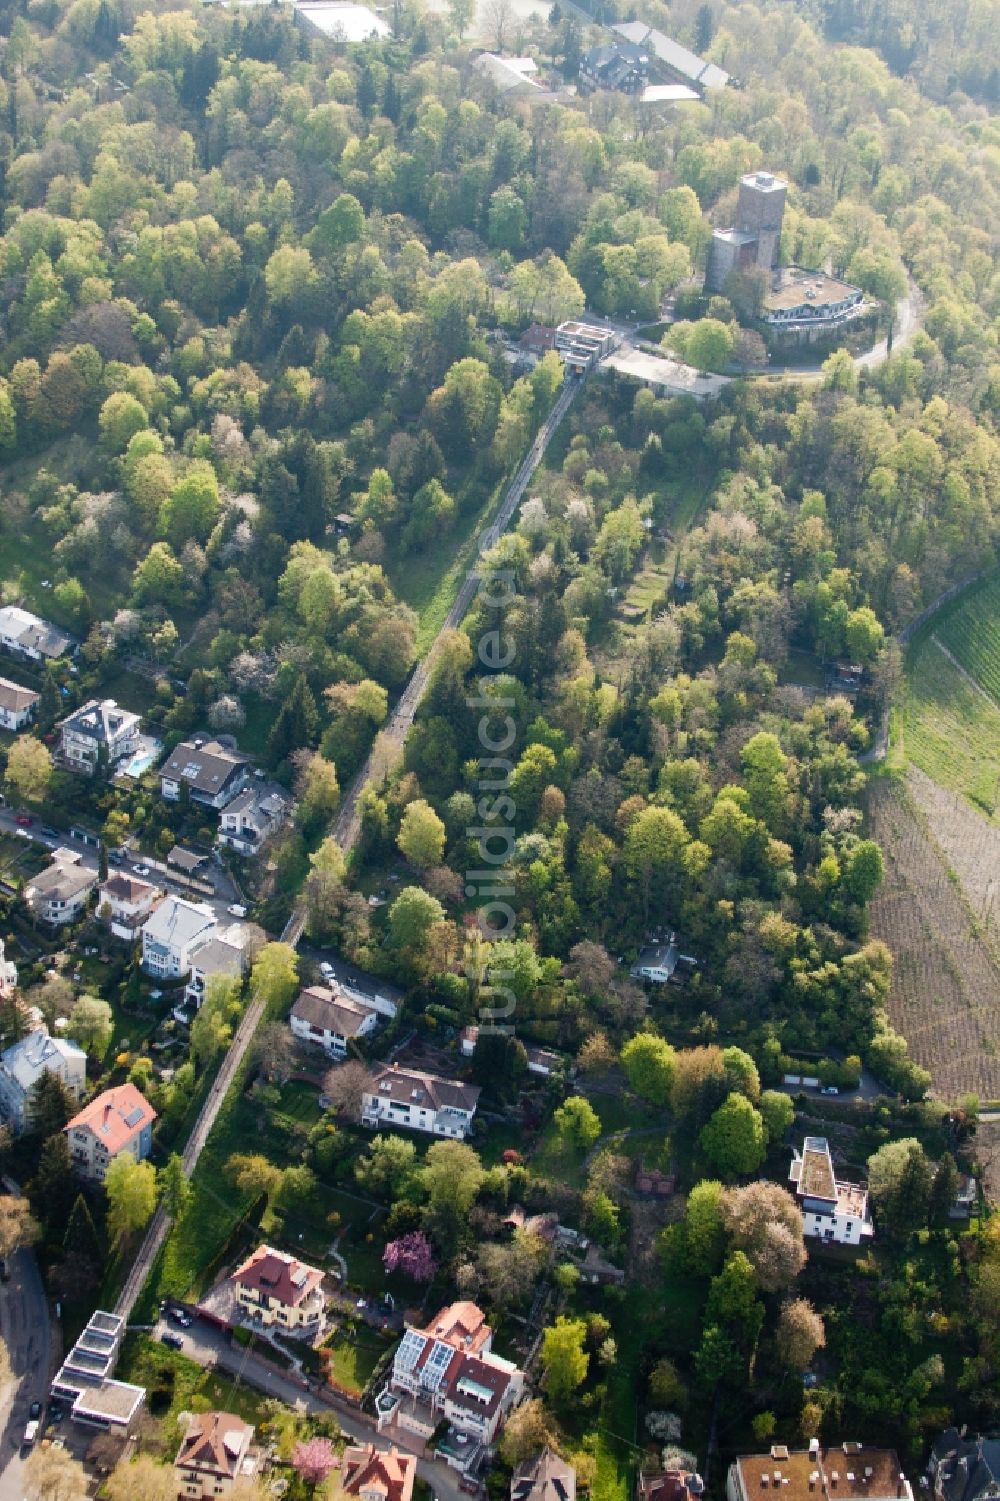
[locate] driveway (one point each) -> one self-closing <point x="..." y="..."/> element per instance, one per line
<point x="869" y="1088"/>
<point x="24" y="1325"/>
<point x="210" y="1347"/>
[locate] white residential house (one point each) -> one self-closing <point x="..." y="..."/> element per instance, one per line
<point x="172" y="933"/>
<point x="448" y="1372"/>
<point x="125" y="902"/>
<point x="60" y="892"/>
<point x="98" y="736"/>
<point x="330" y="1019"/>
<point x="17" y="704"/>
<point x="831" y="1210"/>
<point x="24" y="1063"/>
<point x="422" y="1102"/>
<point x="226" y="952"/>
<point x="253" y="816"/>
<point x="26" y="635"/>
<point x="656" y="962"/>
<point x="212" y="773"/>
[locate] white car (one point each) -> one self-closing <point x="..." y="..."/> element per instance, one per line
<point x="327" y="971"/>
<point x="140" y="870"/>
<point x="235" y="910"/>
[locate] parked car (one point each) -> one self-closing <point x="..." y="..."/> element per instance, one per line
<point x="116" y="857"/>
<point x="56" y="1412"/>
<point x="140" y="870"/>
<point x="236" y="910"/>
<point x="327" y="971"/>
<point x="23" y="820"/>
<point x="180" y="1316"/>
<point x="30" y="1433"/>
<point x="172" y="1341"/>
<point x="35" y="1410"/>
<point x="829" y="1089"/>
<point x="49" y="831"/>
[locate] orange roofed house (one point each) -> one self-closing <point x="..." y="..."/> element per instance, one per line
<point x="447" y="1372"/>
<point x="847" y="1472"/>
<point x="214" y="1452"/>
<point x="116" y="1121"/>
<point x="377" y="1474"/>
<point x="274" y="1288"/>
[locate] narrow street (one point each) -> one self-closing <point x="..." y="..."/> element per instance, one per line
<point x="210" y="1347"/>
<point x="25" y="1329"/>
<point x="386" y="754"/>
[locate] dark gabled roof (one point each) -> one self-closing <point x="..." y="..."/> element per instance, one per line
<point x="544" y="1478"/>
<point x="967" y="1468"/>
<point x="411" y="1086"/>
<point x="205" y="766"/>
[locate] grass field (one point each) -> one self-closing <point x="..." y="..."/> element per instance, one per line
<point x="173" y="1381"/>
<point x="951" y="716"/>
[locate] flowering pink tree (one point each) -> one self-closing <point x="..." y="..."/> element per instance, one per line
<point x="313" y="1459"/>
<point x="412" y="1255"/>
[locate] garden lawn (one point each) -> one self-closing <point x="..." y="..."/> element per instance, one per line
<point x="951" y="716"/>
<point x="353" y="1358"/>
<point x="178" y="1380"/>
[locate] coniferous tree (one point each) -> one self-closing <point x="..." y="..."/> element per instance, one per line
<point x="297" y="723"/>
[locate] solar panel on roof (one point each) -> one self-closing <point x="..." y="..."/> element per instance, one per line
<point x="436" y="1365"/>
<point x="409" y="1350"/>
<point x="135" y="1116"/>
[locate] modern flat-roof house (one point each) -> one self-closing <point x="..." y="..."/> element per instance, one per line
<point x="253" y="816"/>
<point x="17" y="704"/>
<point x="272" y="1287"/>
<point x="374" y="1474"/>
<point x="963" y="1468"/>
<point x="583" y="344"/>
<point x="331" y="1019"/>
<point x="118" y="1120"/>
<point x="447" y="1372"/>
<point x="84" y="1380"/>
<point x="623" y="66"/>
<point x="26" y="635"/>
<point x="546" y="1477"/>
<point x="125" y="902"/>
<point x="170" y="935"/>
<point x="831" y="1210"/>
<point x="24" y="1063"/>
<point x="226" y="952"/>
<point x="804" y="301"/>
<point x="97" y="737"/>
<point x="212" y="773"/>
<point x="214" y="1453"/>
<point x="846" y="1472"/>
<point x="59" y="893"/>
<point x="423" y="1102"/>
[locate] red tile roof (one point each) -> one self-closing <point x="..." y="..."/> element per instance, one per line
<point x="366" y="1469"/>
<point x="215" y="1443"/>
<point x="115" y="1116"/>
<point x="278" y="1276"/>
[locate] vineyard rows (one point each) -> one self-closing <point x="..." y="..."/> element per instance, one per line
<point x="945" y="977"/>
<point x="972" y="635"/>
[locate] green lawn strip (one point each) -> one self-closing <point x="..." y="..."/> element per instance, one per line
<point x="951" y="731"/>
<point x="173" y="1383"/>
<point x="353" y="1357"/>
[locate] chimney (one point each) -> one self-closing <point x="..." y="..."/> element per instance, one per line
<point x="813" y="1477"/>
<point x="813" y="1448"/>
<point x="763" y="1480"/>
<point x="834" y="1477"/>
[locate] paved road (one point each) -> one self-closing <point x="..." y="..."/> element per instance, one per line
<point x="868" y="1089"/>
<point x="211" y="1347"/>
<point x="90" y="858"/>
<point x="24" y="1326"/>
<point x="908" y="320"/>
<point x="386" y="754"/>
